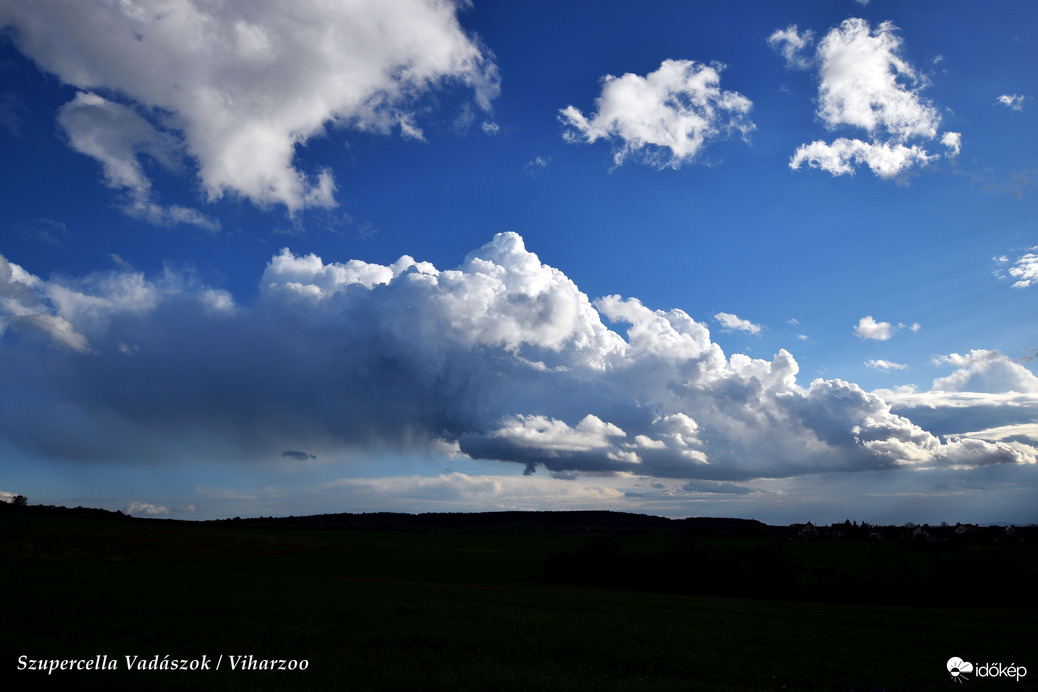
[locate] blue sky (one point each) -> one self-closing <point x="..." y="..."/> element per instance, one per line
<point x="771" y="260"/>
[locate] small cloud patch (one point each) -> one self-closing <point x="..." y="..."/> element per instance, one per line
<point x="733" y="323"/>
<point x="665" y="118"/>
<point x="297" y="455"/>
<point x="145" y="509"/>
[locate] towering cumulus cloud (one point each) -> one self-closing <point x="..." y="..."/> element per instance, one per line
<point x="502" y="358"/>
<point x="238" y="85"/>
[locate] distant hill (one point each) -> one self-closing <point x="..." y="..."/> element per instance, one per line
<point x="574" y="522"/>
<point x="570" y="522"/>
<point x="591" y="521"/>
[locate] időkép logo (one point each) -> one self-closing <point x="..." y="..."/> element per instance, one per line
<point x="961" y="670"/>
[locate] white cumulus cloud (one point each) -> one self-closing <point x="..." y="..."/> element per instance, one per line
<point x="664" y="118"/>
<point x="549" y="435"/>
<point x="1024" y="269"/>
<point x="238" y="86"/>
<point x="987" y="397"/>
<point x="953" y="141"/>
<point x="865" y="84"/>
<point x="985" y="371"/>
<point x="869" y="328"/>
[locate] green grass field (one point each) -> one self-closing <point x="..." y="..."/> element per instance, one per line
<point x="446" y="611"/>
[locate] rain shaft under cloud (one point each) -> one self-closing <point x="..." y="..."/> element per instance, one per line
<point x="503" y="358"/>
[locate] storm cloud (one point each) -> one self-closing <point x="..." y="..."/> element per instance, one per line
<point x="502" y="358"/>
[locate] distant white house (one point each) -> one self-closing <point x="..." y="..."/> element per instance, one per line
<point x="966" y="530"/>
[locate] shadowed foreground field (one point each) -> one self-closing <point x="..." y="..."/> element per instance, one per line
<point x="372" y="610"/>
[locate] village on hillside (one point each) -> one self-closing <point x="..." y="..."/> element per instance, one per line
<point x="925" y="534"/>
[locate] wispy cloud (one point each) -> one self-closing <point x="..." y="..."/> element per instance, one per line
<point x="719" y="488"/>
<point x="117" y="137"/>
<point x="536" y="165"/>
<point x="464" y="491"/>
<point x="1014" y="101"/>
<point x="793" y="45"/>
<point x="12" y="113"/>
<point x="886" y="365"/>
<point x="664" y="118"/>
<point x="47" y="231"/>
<point x="730" y="322"/>
<point x="145" y="509"/>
